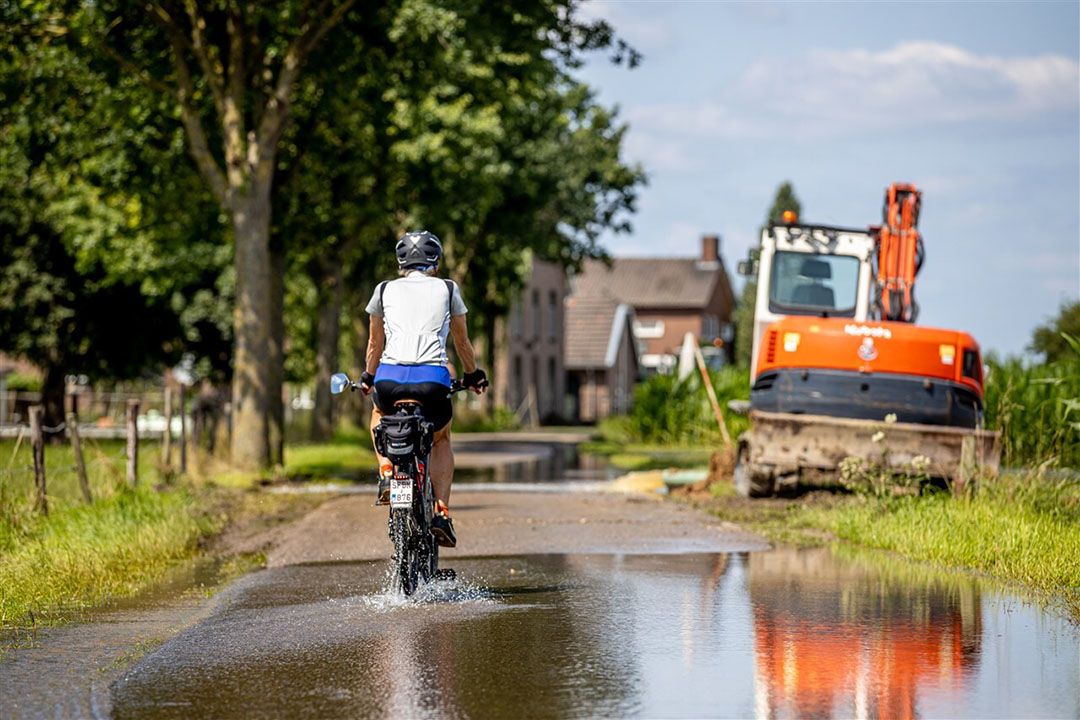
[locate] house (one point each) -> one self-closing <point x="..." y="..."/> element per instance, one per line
<point x="529" y="370"/>
<point x="670" y="297"/>
<point x="602" y="361"/>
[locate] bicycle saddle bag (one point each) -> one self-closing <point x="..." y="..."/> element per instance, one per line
<point x="399" y="437"/>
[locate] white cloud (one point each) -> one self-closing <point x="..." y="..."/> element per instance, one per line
<point x="911" y="85"/>
<point x="914" y="85"/>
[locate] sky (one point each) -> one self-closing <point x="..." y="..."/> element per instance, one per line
<point x="978" y="104"/>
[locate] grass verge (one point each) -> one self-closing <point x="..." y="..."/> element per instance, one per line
<point x="53" y="567"/>
<point x="1021" y="528"/>
<point x="81" y="556"/>
<point x="348" y="455"/>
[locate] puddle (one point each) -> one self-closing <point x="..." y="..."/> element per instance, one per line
<point x="489" y="465"/>
<point x="786" y="633"/>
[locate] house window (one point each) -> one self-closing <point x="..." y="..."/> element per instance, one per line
<point x="517" y="319"/>
<point x="536" y="314"/>
<point x="553" y="316"/>
<point x="710" y="326"/>
<point x="649" y="329"/>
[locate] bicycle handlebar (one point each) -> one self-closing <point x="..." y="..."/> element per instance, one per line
<point x="456" y="385"/>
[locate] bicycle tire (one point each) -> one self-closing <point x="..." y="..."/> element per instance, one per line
<point x="406" y="557"/>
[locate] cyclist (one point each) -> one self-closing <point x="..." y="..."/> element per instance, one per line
<point x="411" y="318"/>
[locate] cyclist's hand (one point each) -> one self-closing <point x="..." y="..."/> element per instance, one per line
<point x="367" y="383"/>
<point x="476" y="381"/>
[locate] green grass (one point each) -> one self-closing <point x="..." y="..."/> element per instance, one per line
<point x="328" y="460"/>
<point x="82" y="555"/>
<point x="105" y="468"/>
<point x="348" y="455"/>
<point x="1021" y="528"/>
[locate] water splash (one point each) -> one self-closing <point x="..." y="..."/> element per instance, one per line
<point x="456" y="591"/>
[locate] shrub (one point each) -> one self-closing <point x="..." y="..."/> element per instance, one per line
<point x="668" y="411"/>
<point x="1037" y="410"/>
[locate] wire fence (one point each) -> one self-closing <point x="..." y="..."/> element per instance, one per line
<point x="48" y="467"/>
<point x="101" y="409"/>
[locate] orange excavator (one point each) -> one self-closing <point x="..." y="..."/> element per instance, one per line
<point x="839" y="369"/>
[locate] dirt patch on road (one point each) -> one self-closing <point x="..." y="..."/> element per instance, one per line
<point x="255" y="520"/>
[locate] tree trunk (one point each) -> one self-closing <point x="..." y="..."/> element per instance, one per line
<point x="53" y="388"/>
<point x="358" y="324"/>
<point x="252" y="359"/>
<point x="328" y="334"/>
<point x="276" y="420"/>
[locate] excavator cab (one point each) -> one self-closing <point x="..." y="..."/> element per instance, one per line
<point x="838" y="362"/>
<point x="810" y="270"/>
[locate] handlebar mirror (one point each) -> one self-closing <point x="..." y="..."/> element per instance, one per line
<point x="338" y="383"/>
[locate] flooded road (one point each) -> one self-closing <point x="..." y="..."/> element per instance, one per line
<point x="784" y="633"/>
<point x="568" y="603"/>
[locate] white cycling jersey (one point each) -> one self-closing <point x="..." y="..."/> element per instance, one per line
<point x="416" y="311"/>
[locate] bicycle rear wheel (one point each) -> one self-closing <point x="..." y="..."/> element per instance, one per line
<point x="407" y="559"/>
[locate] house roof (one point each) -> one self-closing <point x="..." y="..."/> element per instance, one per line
<point x="594" y="328"/>
<point x="651" y="282"/>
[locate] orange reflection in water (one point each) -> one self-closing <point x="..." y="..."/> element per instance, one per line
<point x="847" y="640"/>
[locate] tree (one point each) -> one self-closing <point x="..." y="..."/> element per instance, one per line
<point x="1048" y="339"/>
<point x="784" y="200"/>
<point x="230" y="70"/>
<point x="486" y="141"/>
<point x="234" y="72"/>
<point x="100" y="244"/>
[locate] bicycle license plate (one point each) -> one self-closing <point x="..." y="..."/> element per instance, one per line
<point x="401" y="490"/>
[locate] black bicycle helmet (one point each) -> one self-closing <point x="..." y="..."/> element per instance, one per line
<point x="419" y="249"/>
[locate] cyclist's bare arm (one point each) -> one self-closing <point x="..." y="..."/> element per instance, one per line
<point x="375" y="343"/>
<point x="459" y="331"/>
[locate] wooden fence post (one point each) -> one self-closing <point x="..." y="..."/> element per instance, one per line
<point x="37" y="440"/>
<point x="132" y="443"/>
<point x="76" y="449"/>
<point x="166" y="439"/>
<point x="700" y="359"/>
<point x="183" y="429"/>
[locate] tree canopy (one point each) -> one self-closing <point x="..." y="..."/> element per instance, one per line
<point x="1049" y="339"/>
<point x="240" y="169"/>
<point x="103" y="269"/>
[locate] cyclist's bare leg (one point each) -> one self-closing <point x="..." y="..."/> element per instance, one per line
<point x="442" y="465"/>
<point x="376" y="416"/>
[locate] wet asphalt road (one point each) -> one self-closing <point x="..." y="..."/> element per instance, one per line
<point x="635" y="608"/>
<point x="782" y="633"/>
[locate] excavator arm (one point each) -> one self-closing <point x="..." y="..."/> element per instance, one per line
<point x="899" y="254"/>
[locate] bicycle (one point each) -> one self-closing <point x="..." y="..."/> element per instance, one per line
<point x="405" y="439"/>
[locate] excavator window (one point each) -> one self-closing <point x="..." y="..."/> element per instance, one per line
<point x="970" y="366"/>
<point x="808" y="284"/>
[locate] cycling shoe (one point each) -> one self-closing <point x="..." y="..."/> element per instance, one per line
<point x="443" y="527"/>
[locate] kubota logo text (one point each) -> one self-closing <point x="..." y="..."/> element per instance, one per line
<point x="867" y="331"/>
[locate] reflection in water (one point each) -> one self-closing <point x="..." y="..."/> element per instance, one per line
<point x="517" y="462"/>
<point x="843" y="639"/>
<point x="786" y="633"/>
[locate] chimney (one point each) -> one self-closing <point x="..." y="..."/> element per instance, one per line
<point x="710" y="248"/>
